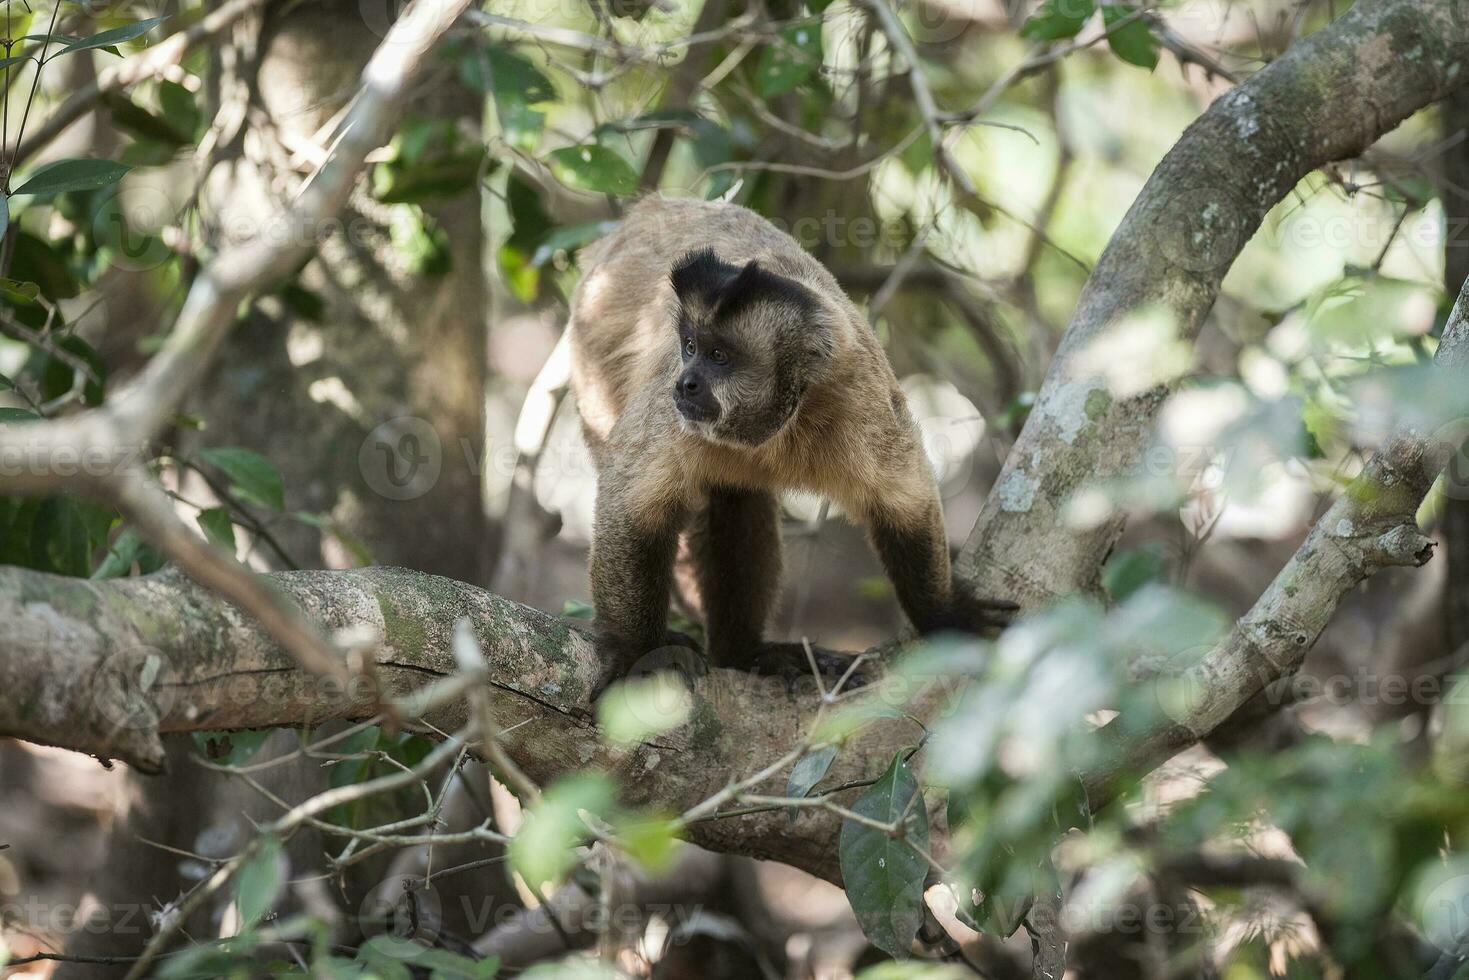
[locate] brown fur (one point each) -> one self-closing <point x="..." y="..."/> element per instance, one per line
<point x="851" y="438"/>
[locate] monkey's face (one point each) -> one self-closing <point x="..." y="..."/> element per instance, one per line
<point x="748" y="342"/>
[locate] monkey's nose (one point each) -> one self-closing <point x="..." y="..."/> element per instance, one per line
<point x="688" y="387"/>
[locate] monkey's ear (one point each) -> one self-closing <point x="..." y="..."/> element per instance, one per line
<point x="700" y="275"/>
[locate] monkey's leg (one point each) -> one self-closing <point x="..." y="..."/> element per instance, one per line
<point x="632" y="570"/>
<point x="737" y="559"/>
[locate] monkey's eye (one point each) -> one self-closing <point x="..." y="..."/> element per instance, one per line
<point x="718" y="356"/>
<point x="688" y="347"/>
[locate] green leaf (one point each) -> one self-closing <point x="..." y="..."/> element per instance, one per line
<point x="73" y="175"/>
<point x="633" y="711"/>
<point x="121" y="556"/>
<point x="60" y="538"/>
<point x="218" y="528"/>
<point x="790" y="60"/>
<point x="259" y="882"/>
<point x="15" y="416"/>
<point x="809" y="770"/>
<point x="132" y="118"/>
<point x="58" y="377"/>
<point x="569" y="239"/>
<point x="543" y="850"/>
<point x="117" y="35"/>
<point x="180" y="108"/>
<point x="6" y="384"/>
<point x="1057" y="20"/>
<point x="517" y="85"/>
<point x="230" y="748"/>
<point x="530" y="221"/>
<point x="1128" y="571"/>
<point x="38" y="262"/>
<point x="883" y="875"/>
<point x="16" y="291"/>
<point x="593" y="168"/>
<point x="1133" y="42"/>
<point x="251" y="474"/>
<point x="651" y="843"/>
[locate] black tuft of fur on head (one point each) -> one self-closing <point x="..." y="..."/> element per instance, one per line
<point x="701" y="276"/>
<point x="704" y="278"/>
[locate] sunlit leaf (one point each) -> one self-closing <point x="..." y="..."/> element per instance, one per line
<point x="593" y="168"/>
<point x="543" y="850"/>
<point x="635" y="710"/>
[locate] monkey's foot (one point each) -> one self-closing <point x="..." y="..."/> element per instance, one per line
<point x="790" y="662"/>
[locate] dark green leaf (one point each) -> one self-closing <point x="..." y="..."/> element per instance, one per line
<point x="1057" y="20"/>
<point x="60" y="538"/>
<point x="180" y="108"/>
<point x="1128" y="571"/>
<point x="38" y="262"/>
<point x="117" y="35"/>
<point x="789" y="60"/>
<point x="807" y="772"/>
<point x="1133" y="42"/>
<point x="218" y="528"/>
<point x="883" y="875"/>
<point x="304" y="303"/>
<point x="13" y="416"/>
<point x="58" y="377"/>
<point x="429" y="179"/>
<point x="593" y="168"/>
<point x="517" y="85"/>
<point x="6" y="384"/>
<point x="132" y="118"/>
<point x="530" y="221"/>
<point x="251" y="474"/>
<point x="73" y="175"/>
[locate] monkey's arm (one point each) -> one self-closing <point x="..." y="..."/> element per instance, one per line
<point x="914" y="549"/>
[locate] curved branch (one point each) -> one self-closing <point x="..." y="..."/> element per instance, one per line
<point x="1330" y="97"/>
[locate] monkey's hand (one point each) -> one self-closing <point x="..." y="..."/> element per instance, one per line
<point x="968" y="613"/>
<point x="622" y="661"/>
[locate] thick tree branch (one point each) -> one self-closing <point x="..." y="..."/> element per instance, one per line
<point x="106" y="667"/>
<point x="1330" y="97"/>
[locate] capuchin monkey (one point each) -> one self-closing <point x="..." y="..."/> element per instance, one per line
<point x="716" y="364"/>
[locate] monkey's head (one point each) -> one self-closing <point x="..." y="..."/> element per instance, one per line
<point x="751" y="340"/>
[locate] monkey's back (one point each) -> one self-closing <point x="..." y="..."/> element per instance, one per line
<point x="622" y="336"/>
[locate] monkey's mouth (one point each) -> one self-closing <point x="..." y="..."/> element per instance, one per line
<point x="695" y="411"/>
